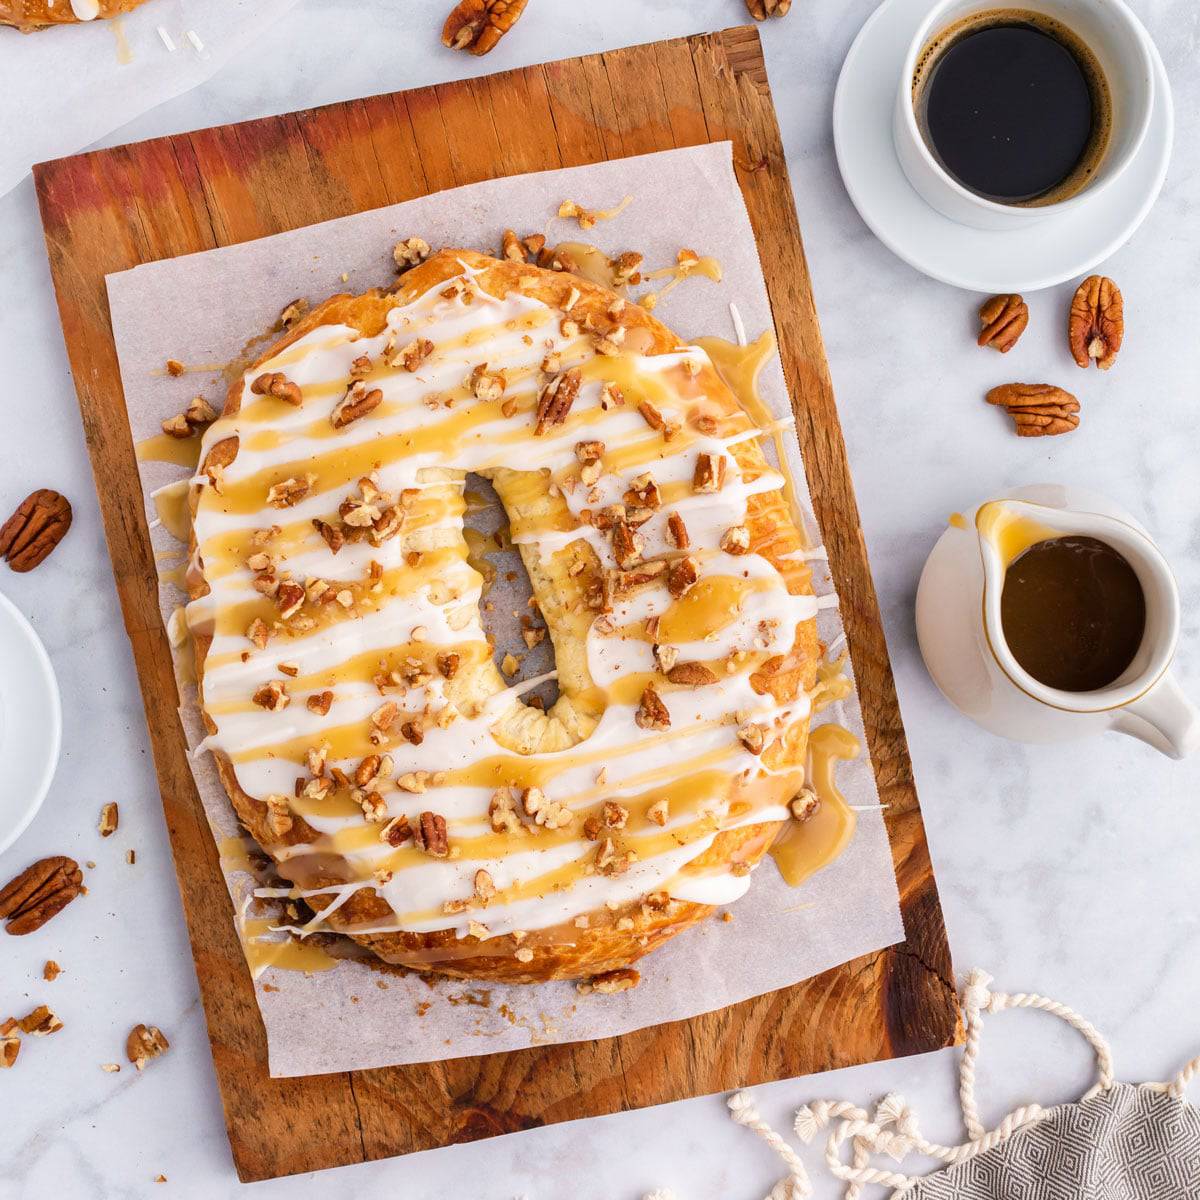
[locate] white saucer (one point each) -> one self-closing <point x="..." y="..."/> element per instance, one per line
<point x="1024" y="260"/>
<point x="30" y="723"/>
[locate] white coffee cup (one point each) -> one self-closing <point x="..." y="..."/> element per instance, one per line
<point x="1119" y="43"/>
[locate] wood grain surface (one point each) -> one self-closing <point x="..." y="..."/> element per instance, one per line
<point x="113" y="209"/>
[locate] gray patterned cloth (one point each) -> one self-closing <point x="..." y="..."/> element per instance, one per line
<point x="1126" y="1143"/>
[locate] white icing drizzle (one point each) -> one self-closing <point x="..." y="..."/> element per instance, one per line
<point x="514" y="334"/>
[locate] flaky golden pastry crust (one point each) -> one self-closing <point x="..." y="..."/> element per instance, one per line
<point x="28" y="15"/>
<point x="613" y="937"/>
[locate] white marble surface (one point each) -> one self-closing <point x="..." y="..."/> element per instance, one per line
<point x="1068" y="870"/>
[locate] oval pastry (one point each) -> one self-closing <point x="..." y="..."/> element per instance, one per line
<point x="365" y="736"/>
<point x="28" y="15"/>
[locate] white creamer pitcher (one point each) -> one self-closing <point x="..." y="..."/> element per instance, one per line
<point x="963" y="643"/>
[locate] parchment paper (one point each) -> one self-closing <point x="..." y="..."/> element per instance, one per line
<point x="201" y="308"/>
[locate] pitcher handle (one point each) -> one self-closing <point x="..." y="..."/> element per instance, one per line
<point x="1162" y="717"/>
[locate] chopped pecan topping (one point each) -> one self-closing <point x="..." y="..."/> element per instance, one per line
<point x="485" y="887"/>
<point x="356" y="403"/>
<point x="199" y="412"/>
<point x="644" y="491"/>
<point x="175" y="368"/>
<point x="431" y="836"/>
<point x="753" y="737"/>
<point x="258" y="632"/>
<point x="624" y="583"/>
<point x="656" y="420"/>
<point x="502" y="812"/>
<point x="652" y="713"/>
<point x="665" y="657"/>
<point x="40" y="892"/>
<point x="1037" y="409"/>
<point x="278" y="814"/>
<point x="610" y="860"/>
<point x="319" y="702"/>
<point x="410" y="252"/>
<point x="626" y="269"/>
<point x="396" y="832"/>
<point x="144" y="1043"/>
<point x="556" y="399"/>
<point x="736" y="540"/>
<point x="681" y="575"/>
<point x="361" y="367"/>
<point x="478" y="25"/>
<point x="804" y="804"/>
<point x="275" y="383"/>
<point x="1096" y="327"/>
<point x="290" y="491"/>
<point x="486" y="386"/>
<point x="614" y="815"/>
<point x="589" y="452"/>
<point x="109" y="817"/>
<point x="610" y="982"/>
<point x="10" y="1047"/>
<point x="372" y="804"/>
<point x="659" y="812"/>
<point x="367" y="770"/>
<point x="611" y="397"/>
<point x="627" y="545"/>
<point x="273" y="695"/>
<point x="39" y="524"/>
<point x="709" y="475"/>
<point x="691" y="674"/>
<point x="677" y="531"/>
<point x="447" y="665"/>
<point x="544" y="811"/>
<point x="289" y="598"/>
<point x="335" y="539"/>
<point x="1002" y="320"/>
<point x="51" y="970"/>
<point x="511" y="247"/>
<point x="414" y="354"/>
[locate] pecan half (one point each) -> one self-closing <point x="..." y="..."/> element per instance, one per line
<point x="1037" y="409"/>
<point x="1096" y="327"/>
<point x="39" y="524"/>
<point x="357" y="402"/>
<point x="277" y="384"/>
<point x="431" y="836"/>
<point x="760" y="10"/>
<point x="1002" y="320"/>
<point x="144" y="1043"/>
<point x="39" y="893"/>
<point x="556" y="399"/>
<point x="478" y="25"/>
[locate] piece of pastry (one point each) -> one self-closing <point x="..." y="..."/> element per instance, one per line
<point x="39" y="14"/>
<point x="364" y="734"/>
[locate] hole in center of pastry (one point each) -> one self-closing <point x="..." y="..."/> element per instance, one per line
<point x="521" y="648"/>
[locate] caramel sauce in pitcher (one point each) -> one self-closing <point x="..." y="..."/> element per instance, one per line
<point x="1073" y="613"/>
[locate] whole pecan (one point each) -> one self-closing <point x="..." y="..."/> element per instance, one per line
<point x="1037" y="409"/>
<point x="39" y="893"/>
<point x="556" y="399"/>
<point x="761" y="9"/>
<point x="1096" y="326"/>
<point x="478" y="25"/>
<point x="39" y="524"/>
<point x="1002" y="320"/>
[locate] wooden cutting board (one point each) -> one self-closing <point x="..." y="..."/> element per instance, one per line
<point x="113" y="209"/>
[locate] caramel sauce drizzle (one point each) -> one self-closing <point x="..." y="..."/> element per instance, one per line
<point x="690" y="781"/>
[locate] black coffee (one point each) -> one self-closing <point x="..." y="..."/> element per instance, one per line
<point x="1013" y="105"/>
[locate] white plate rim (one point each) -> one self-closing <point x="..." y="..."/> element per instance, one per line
<point x="1164" y="111"/>
<point x="42" y="674"/>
